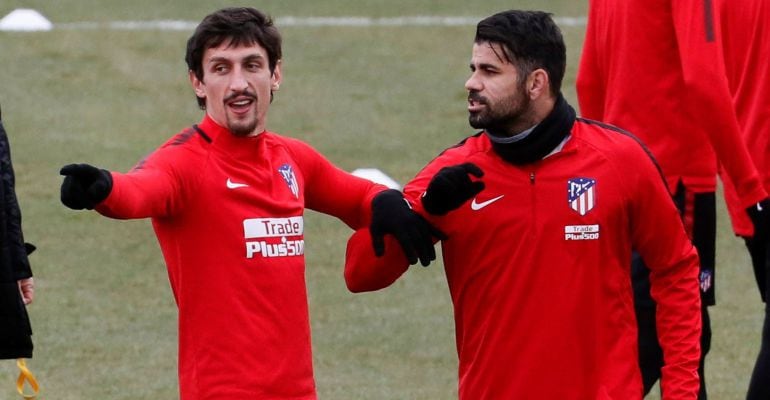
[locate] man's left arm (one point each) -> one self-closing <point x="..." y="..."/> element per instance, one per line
<point x="658" y="235"/>
<point x="330" y="190"/>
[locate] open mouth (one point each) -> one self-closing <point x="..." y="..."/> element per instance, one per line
<point x="475" y="102"/>
<point x="474" y="105"/>
<point x="241" y="104"/>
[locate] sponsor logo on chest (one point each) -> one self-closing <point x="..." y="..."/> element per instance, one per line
<point x="581" y="232"/>
<point x="274" y="237"/>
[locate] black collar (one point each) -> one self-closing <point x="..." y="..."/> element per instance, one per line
<point x="543" y="139"/>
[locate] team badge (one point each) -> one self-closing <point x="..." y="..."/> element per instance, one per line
<point x="581" y="194"/>
<point x="291" y="180"/>
<point x="705" y="280"/>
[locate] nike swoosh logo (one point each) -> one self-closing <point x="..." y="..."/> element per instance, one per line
<point x="478" y="206"/>
<point x="233" y="185"/>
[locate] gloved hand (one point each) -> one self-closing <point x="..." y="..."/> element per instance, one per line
<point x="84" y="186"/>
<point x="451" y="187"/>
<point x="391" y="214"/>
<point x="759" y="244"/>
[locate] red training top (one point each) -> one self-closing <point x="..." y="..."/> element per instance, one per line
<point x="228" y="214"/>
<point x="538" y="271"/>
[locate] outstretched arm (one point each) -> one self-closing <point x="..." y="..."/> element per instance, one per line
<point x="153" y="188"/>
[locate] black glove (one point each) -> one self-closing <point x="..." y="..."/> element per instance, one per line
<point x="759" y="244"/>
<point x="84" y="186"/>
<point x="451" y="187"/>
<point x="392" y="214"/>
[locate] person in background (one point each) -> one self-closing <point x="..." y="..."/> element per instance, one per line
<point x="652" y="67"/>
<point x="745" y="30"/>
<point x="227" y="198"/>
<point x="17" y="286"/>
<point x="541" y="211"/>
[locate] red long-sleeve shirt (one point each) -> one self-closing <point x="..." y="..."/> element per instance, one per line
<point x="653" y="67"/>
<point x="746" y="41"/>
<point x="538" y="270"/>
<point x="228" y="214"/>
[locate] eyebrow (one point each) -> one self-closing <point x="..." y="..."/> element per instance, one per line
<point x="484" y="66"/>
<point x="250" y="57"/>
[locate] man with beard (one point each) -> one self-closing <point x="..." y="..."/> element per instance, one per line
<point x="541" y="210"/>
<point x="227" y="199"/>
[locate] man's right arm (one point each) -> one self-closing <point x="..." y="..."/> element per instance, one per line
<point x="148" y="190"/>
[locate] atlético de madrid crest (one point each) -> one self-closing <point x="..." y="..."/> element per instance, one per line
<point x="581" y="194"/>
<point x="291" y="180"/>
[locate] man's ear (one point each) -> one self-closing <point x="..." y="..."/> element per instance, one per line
<point x="197" y="84"/>
<point x="538" y="83"/>
<point x="277" y="77"/>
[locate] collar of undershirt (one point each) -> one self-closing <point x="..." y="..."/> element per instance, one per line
<point x="539" y="141"/>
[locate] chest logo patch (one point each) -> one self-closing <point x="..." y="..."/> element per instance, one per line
<point x="581" y="194"/>
<point x="274" y="237"/>
<point x="291" y="180"/>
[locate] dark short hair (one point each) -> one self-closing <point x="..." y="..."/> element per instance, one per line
<point x="238" y="26"/>
<point x="530" y="40"/>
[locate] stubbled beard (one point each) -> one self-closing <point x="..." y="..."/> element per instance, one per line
<point x="242" y="128"/>
<point x="500" y="116"/>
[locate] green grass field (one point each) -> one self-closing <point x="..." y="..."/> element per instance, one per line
<point x="390" y="97"/>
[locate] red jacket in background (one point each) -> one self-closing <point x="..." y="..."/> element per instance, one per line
<point x="746" y="41"/>
<point x="653" y="67"/>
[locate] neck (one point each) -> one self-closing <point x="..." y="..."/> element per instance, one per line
<point x="539" y="110"/>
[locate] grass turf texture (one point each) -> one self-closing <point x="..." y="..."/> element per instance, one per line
<point x="387" y="97"/>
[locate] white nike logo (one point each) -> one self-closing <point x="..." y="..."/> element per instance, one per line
<point x="233" y="185"/>
<point x="478" y="206"/>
